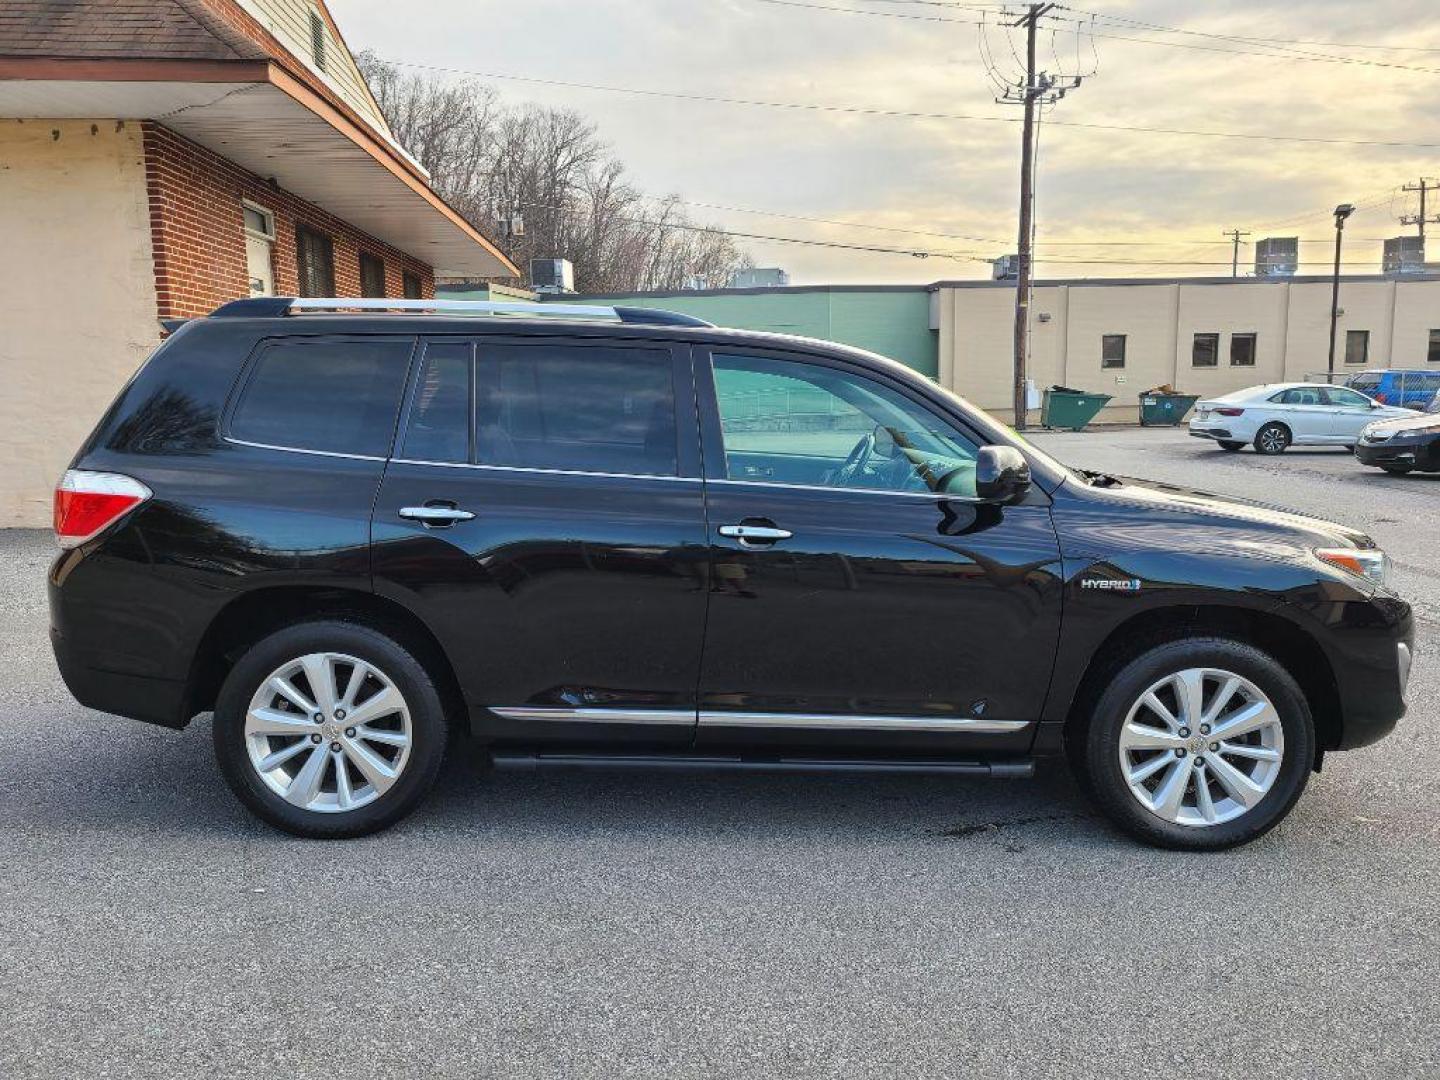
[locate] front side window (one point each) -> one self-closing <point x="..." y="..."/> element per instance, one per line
<point x="1205" y="352"/>
<point x="576" y="408"/>
<point x="1112" y="350"/>
<point x="340" y="397"/>
<point x="315" y="262"/>
<point x="785" y="421"/>
<point x="1242" y="350"/>
<point x="1348" y="398"/>
<point x="1357" y="346"/>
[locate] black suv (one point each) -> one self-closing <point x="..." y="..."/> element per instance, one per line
<point x="620" y="538"/>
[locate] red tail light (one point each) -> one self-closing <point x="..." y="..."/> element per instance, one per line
<point x="88" y="502"/>
<point x="1231" y="412"/>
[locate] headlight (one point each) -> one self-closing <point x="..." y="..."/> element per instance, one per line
<point x="1368" y="563"/>
<point x="1433" y="429"/>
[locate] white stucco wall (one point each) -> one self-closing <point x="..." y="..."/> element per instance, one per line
<point x="77" y="294"/>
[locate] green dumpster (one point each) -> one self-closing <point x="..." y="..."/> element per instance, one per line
<point x="1160" y="410"/>
<point x="1062" y="407"/>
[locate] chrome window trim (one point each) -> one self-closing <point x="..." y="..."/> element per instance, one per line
<point x="302" y="450"/>
<point x="684" y="717"/>
<point x="975" y="500"/>
<point x="548" y="472"/>
<point x="838" y="722"/>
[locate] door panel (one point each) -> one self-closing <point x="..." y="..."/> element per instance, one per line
<point x="884" y="620"/>
<point x="572" y="603"/>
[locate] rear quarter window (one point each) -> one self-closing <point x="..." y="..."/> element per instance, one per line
<point x="335" y="396"/>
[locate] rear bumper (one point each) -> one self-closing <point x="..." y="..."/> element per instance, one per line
<point x="1211" y="433"/>
<point x="139" y="697"/>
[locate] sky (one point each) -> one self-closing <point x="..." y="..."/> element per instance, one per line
<point x="1109" y="203"/>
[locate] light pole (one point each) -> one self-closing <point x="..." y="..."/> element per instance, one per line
<point x="1343" y="211"/>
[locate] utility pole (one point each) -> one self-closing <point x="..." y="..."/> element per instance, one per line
<point x="1419" y="220"/>
<point x="1235" y="235"/>
<point x="1033" y="90"/>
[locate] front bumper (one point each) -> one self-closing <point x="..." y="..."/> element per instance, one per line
<point x="1372" y="647"/>
<point x="1418" y="452"/>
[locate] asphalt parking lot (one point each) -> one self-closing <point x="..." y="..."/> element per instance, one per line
<point x="673" y="926"/>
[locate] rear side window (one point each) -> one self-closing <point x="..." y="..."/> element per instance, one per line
<point x="573" y="407"/>
<point x="340" y="397"/>
<point x="439" y="425"/>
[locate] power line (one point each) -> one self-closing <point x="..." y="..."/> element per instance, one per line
<point x="1277" y="52"/>
<point x="910" y="114"/>
<point x="1250" y="39"/>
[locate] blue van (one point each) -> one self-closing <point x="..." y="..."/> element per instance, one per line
<point x="1412" y="388"/>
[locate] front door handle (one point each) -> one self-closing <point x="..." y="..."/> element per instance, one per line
<point x="435" y="517"/>
<point x="755" y="535"/>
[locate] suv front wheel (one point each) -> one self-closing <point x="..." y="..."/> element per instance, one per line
<point x="1197" y="745"/>
<point x="329" y="730"/>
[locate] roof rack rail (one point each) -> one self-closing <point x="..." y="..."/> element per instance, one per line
<point x="266" y="307"/>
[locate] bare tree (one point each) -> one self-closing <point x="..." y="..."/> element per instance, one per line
<point x="548" y="167"/>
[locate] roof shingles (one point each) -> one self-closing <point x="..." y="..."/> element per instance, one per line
<point x="121" y="29"/>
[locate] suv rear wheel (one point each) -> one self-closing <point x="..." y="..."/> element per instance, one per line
<point x="329" y="729"/>
<point x="1197" y="745"/>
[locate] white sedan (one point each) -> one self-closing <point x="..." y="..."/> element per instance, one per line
<point x="1277" y="415"/>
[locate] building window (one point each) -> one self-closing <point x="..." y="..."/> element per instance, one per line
<point x="1242" y="350"/>
<point x="1357" y="346"/>
<point x="372" y="275"/>
<point x="259" y="249"/>
<point x="411" y="285"/>
<point x="1205" y="352"/>
<point x="317" y="39"/>
<point x="1112" y="350"/>
<point x="1433" y="356"/>
<point x="315" y="262"/>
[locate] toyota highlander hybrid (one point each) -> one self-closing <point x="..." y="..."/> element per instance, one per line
<point x="594" y="537"/>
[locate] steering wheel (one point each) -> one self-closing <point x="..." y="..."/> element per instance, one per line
<point x="856" y="460"/>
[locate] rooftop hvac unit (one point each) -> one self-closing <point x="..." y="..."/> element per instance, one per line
<point x="1005" y="268"/>
<point x="1403" y="255"/>
<point x="1277" y="256"/>
<point x="552" y="276"/>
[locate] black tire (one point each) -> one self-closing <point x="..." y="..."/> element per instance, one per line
<point x="1397" y="470"/>
<point x="1350" y="449"/>
<point x="1094" y="746"/>
<point x="1231" y="446"/>
<point x="428" y="729"/>
<point x="1273" y="438"/>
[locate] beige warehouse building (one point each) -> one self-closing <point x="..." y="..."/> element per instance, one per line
<point x="1204" y="336"/>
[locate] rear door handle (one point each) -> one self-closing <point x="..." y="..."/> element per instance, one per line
<point x="435" y="516"/>
<point x="754" y="535"/>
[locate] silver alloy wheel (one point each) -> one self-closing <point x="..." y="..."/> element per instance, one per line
<point x="1273" y="439"/>
<point x="1201" y="747"/>
<point x="328" y="732"/>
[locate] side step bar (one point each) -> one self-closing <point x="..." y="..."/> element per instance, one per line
<point x="530" y="762"/>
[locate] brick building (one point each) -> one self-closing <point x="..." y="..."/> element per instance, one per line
<point x="159" y="157"/>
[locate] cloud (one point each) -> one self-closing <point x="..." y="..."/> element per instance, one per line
<point x="961" y="177"/>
